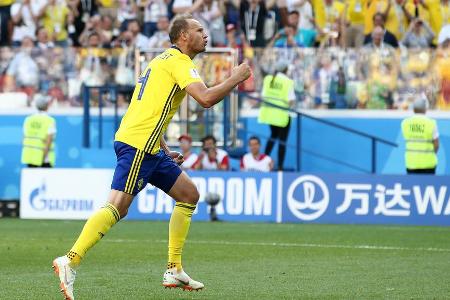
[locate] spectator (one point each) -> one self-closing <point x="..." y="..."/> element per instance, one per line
<point x="338" y="89"/>
<point x="444" y="10"/>
<point x="355" y="24"/>
<point x="153" y="10"/>
<point x="327" y="13"/>
<point x="128" y="10"/>
<point x="388" y="38"/>
<point x="189" y="157"/>
<point x="43" y="40"/>
<point x="305" y="12"/>
<point x="140" y="41"/>
<point x="82" y="11"/>
<point x="377" y="39"/>
<point x="24" y="70"/>
<point x="55" y="17"/>
<point x="5" y="22"/>
<point x="442" y="69"/>
<point x="93" y="25"/>
<point x="211" y="157"/>
<point x="185" y="6"/>
<point x="25" y="17"/>
<point x="160" y="38"/>
<point x="106" y="29"/>
<point x="209" y="13"/>
<point x="254" y="160"/>
<point x="39" y="131"/>
<point x="252" y="18"/>
<point x="419" y="35"/>
<point x="322" y="82"/>
<point x="292" y="36"/>
<point x="278" y="89"/>
<point x="394" y="13"/>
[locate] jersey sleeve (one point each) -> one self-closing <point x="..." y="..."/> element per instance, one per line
<point x="185" y="73"/>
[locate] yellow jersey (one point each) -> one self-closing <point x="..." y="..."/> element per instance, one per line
<point x="325" y="16"/>
<point x="396" y="21"/>
<point x="156" y="97"/>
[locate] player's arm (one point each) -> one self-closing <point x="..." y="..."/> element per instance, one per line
<point x="175" y="155"/>
<point x="208" y="97"/>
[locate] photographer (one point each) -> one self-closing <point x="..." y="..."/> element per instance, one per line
<point x="212" y="158"/>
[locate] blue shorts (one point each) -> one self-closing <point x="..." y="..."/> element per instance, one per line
<point x="135" y="169"/>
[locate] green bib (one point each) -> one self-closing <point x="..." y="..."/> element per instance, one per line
<point x="35" y="134"/>
<point x="418" y="134"/>
<point x="277" y="93"/>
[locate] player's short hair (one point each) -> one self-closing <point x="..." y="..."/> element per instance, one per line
<point x="254" y="137"/>
<point x="178" y="25"/>
<point x="294" y="12"/>
<point x="209" y="137"/>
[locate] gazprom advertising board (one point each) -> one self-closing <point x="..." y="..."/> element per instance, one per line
<point x="251" y="197"/>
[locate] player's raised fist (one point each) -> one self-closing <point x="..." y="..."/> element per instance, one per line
<point x="242" y="72"/>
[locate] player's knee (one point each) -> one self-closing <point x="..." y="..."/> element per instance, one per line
<point x="192" y="196"/>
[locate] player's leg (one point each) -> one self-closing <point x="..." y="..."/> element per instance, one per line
<point x="185" y="193"/>
<point x="99" y="224"/>
<point x="186" y="196"/>
<point x="124" y="187"/>
<point x="169" y="178"/>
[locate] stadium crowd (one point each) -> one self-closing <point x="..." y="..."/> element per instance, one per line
<point x="343" y="54"/>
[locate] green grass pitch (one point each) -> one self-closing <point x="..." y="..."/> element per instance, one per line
<point x="234" y="260"/>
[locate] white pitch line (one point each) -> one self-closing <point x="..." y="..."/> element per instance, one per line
<point x="287" y="245"/>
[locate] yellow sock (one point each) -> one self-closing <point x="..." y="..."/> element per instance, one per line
<point x="178" y="230"/>
<point x="94" y="229"/>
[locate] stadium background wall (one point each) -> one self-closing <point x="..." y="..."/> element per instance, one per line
<point x="324" y="140"/>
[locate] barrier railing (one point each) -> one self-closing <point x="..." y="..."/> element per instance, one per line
<point x="374" y="139"/>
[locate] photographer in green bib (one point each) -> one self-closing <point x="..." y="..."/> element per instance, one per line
<point x="422" y="140"/>
<point x="39" y="131"/>
<point x="278" y="89"/>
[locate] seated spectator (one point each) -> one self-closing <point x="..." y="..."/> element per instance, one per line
<point x="153" y="9"/>
<point x="82" y="11"/>
<point x="107" y="29"/>
<point x="140" y="41"/>
<point x="189" y="157"/>
<point x="211" y="157"/>
<point x="378" y="40"/>
<point x="379" y="20"/>
<point x="24" y="16"/>
<point x="55" y="17"/>
<point x="93" y="25"/>
<point x="255" y="160"/>
<point x="305" y="12"/>
<point x="43" y="40"/>
<point x="292" y="35"/>
<point x="23" y="70"/>
<point x="396" y="14"/>
<point x="354" y="37"/>
<point x="127" y="11"/>
<point x="419" y="35"/>
<point x="160" y="39"/>
<point x="252" y="18"/>
<point x="327" y="13"/>
<point x="210" y="16"/>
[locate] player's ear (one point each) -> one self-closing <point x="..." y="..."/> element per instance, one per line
<point x="184" y="35"/>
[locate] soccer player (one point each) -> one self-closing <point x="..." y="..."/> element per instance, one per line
<point x="143" y="156"/>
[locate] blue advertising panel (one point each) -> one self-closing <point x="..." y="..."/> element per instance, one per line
<point x="366" y="199"/>
<point x="245" y="197"/>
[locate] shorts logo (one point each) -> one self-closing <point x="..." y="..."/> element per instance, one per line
<point x="140" y="183"/>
